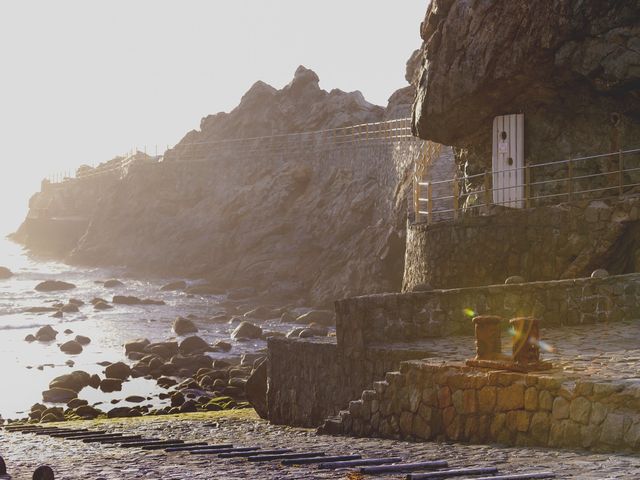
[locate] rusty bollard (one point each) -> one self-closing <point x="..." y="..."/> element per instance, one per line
<point x="488" y="343"/>
<point x="525" y="340"/>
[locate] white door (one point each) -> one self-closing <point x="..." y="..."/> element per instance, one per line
<point x="508" y="160"/>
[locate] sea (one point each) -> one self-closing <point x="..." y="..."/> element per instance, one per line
<point x="27" y="368"/>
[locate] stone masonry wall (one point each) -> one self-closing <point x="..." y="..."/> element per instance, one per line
<point x="310" y="379"/>
<point x="545" y="243"/>
<point x="409" y="317"/>
<point x="426" y="401"/>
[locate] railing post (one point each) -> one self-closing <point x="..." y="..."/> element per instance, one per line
<point x="620" y="173"/>
<point x="570" y="180"/>
<point x="487" y="188"/>
<point x="456" y="198"/>
<point x="416" y="197"/>
<point x="527" y="186"/>
<point x="429" y="205"/>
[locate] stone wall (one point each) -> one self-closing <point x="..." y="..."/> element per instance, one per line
<point x="311" y="379"/>
<point x="302" y="380"/>
<point x="426" y="401"/>
<point x="546" y="243"/>
<point x="410" y="317"/>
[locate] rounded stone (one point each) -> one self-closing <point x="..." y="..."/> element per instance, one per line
<point x="599" y="273"/>
<point x="514" y="279"/>
<point x="43" y="473"/>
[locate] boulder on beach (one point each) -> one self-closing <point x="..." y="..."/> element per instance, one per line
<point x="94" y="381"/>
<point x="194" y="344"/>
<point x="5" y="273"/>
<point x="108" y="385"/>
<point x="261" y="313"/>
<point x="124" y="412"/>
<point x="174" y="286"/>
<point x="246" y="330"/>
<point x="30" y="338"/>
<point x="75" y="381"/>
<point x="113" y="283"/>
<point x="184" y="326"/>
<point x="58" y="395"/>
<point x="118" y="370"/>
<point x="102" y="306"/>
<point x="205" y="289"/>
<point x="54" y="285"/>
<point x="82" y="340"/>
<point x="87" y="412"/>
<point x="71" y="347"/>
<point x="223" y="346"/>
<point x="46" y="334"/>
<point x="137" y="345"/>
<point x="69" y="308"/>
<point x="126" y="300"/>
<point x="151" y="301"/>
<point x="40" y="310"/>
<point x="321" y="317"/>
<point x="162" y="349"/>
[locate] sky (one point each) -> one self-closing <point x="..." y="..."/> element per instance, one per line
<point x="82" y="81"/>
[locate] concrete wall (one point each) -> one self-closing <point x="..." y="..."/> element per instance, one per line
<point x="546" y="243"/>
<point x="434" y="402"/>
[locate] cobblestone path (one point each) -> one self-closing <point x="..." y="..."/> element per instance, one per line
<point x="76" y="460"/>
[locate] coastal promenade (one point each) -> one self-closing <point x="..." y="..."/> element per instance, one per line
<point x="75" y="460"/>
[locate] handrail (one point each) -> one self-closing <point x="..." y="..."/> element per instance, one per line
<point x="388" y="131"/>
<point x="531" y="190"/>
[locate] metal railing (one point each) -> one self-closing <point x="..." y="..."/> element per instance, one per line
<point x="367" y="134"/>
<point x="582" y="178"/>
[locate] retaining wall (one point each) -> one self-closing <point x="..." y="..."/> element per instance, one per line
<point x="426" y="401"/>
<point x="539" y="244"/>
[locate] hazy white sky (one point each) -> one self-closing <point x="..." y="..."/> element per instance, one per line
<point x="82" y="81"/>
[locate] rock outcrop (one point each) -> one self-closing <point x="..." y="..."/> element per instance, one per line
<point x="571" y="66"/>
<point x="293" y="217"/>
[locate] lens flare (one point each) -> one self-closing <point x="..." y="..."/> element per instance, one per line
<point x="469" y="312"/>
<point x="542" y="345"/>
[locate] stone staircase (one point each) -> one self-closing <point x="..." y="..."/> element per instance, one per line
<point x="432" y="401"/>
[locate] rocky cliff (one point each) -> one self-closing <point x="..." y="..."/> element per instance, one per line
<point x="571" y="66"/>
<point x="315" y="216"/>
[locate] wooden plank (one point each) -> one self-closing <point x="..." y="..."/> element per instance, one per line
<point x="359" y="463"/>
<point x="404" y="467"/>
<point x="308" y="461"/>
<point x="458" y="472"/>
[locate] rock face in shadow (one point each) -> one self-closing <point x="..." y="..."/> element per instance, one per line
<point x="308" y="216"/>
<point x="571" y="66"/>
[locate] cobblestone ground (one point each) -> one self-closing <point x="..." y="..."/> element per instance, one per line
<point x="603" y="351"/>
<point x="76" y="460"/>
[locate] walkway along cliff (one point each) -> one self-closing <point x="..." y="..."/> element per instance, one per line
<point x="299" y="192"/>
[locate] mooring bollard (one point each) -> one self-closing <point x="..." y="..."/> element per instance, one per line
<point x="526" y="339"/>
<point x="43" y="473"/>
<point x="488" y="343"/>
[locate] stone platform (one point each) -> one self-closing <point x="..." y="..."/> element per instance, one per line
<point x="591" y="399"/>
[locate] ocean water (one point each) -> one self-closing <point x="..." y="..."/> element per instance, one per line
<point x="22" y="382"/>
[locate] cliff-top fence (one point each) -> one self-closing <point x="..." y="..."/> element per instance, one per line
<point x="592" y="177"/>
<point x="396" y="133"/>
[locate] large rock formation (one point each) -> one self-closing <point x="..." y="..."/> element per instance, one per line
<point x="304" y="216"/>
<point x="572" y="67"/>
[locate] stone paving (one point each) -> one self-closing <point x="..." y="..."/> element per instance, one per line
<point x="76" y="460"/>
<point x="604" y="352"/>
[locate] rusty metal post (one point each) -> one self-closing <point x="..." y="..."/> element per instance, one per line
<point x="487" y="188"/>
<point x="527" y="176"/>
<point x="526" y="339"/>
<point x="488" y="341"/>
<point x="570" y="180"/>
<point x="620" y="173"/>
<point x="429" y="205"/>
